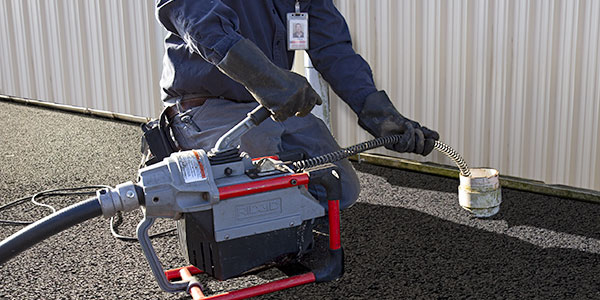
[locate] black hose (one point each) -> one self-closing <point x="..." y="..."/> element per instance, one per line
<point x="48" y="226"/>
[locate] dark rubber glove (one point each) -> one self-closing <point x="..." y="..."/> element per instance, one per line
<point x="283" y="92"/>
<point x="380" y="118"/>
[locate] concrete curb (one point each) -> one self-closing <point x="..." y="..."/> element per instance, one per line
<point x="77" y="109"/>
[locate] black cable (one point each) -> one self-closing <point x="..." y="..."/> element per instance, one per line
<point x="70" y="192"/>
<point x="13" y="203"/>
<point x="48" y="226"/>
<point x="14" y="222"/>
<point x="46" y="193"/>
<point x="115" y="233"/>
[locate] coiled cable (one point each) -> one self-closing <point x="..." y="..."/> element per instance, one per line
<point x="454" y="156"/>
<point x="378" y="142"/>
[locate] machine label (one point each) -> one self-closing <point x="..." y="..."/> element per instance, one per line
<point x="191" y="167"/>
<point x="258" y="209"/>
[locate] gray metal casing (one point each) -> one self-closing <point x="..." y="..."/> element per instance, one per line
<point x="166" y="191"/>
<point x="264" y="212"/>
<point x="168" y="195"/>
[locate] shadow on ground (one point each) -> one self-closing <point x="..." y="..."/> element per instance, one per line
<point x="424" y="257"/>
<point x="517" y="209"/>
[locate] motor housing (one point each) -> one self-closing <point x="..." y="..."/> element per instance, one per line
<point x="247" y="230"/>
<point x="234" y="214"/>
<point x="231" y="258"/>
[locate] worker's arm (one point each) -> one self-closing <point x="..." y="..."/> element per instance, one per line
<point x="331" y="53"/>
<point x="210" y="28"/>
<point x="351" y="78"/>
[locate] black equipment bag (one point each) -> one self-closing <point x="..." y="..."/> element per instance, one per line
<point x="157" y="142"/>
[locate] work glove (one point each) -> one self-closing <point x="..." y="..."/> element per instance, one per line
<point x="380" y="118"/>
<point x="281" y="91"/>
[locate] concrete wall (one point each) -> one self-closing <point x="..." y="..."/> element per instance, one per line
<point x="513" y="85"/>
<point x="98" y="54"/>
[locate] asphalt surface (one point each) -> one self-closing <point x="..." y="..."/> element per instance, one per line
<point x="406" y="237"/>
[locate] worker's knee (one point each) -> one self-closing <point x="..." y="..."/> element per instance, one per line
<point x="350" y="185"/>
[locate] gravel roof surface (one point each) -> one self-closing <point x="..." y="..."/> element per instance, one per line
<point x="407" y="237"/>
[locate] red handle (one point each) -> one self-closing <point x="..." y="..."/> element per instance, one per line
<point x="335" y="241"/>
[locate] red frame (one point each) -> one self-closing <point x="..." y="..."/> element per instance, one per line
<point x="275" y="157"/>
<point x="335" y="239"/>
<point x="185" y="273"/>
<point x="175" y="274"/>
<point x="266" y="288"/>
<point x="260" y="186"/>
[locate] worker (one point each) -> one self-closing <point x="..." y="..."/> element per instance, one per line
<point x="223" y="58"/>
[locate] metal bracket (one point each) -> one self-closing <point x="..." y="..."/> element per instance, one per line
<point x="155" y="265"/>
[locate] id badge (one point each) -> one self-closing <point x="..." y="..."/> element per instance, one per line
<point x="297" y="29"/>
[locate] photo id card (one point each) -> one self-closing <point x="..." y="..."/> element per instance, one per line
<point x="297" y="27"/>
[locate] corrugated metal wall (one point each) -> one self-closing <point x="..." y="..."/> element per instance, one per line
<point x="97" y="54"/>
<point x="514" y="85"/>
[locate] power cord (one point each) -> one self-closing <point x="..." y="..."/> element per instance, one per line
<point x="115" y="233"/>
<point x="47" y="193"/>
<point x="70" y="192"/>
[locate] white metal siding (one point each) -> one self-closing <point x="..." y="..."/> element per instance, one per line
<point x="513" y="85"/>
<point x="98" y="54"/>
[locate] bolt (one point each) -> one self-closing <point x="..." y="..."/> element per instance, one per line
<point x="130" y="194"/>
<point x="103" y="191"/>
<point x="226" y="236"/>
<point x="228" y="171"/>
<point x="291" y="224"/>
<point x="293" y="182"/>
<point x="335" y="174"/>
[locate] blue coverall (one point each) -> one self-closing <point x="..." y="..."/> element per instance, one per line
<point x="200" y="32"/>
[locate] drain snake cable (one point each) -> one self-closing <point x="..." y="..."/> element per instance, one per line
<point x="378" y="142"/>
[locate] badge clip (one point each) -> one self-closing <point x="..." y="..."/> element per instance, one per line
<point x="297" y="29"/>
